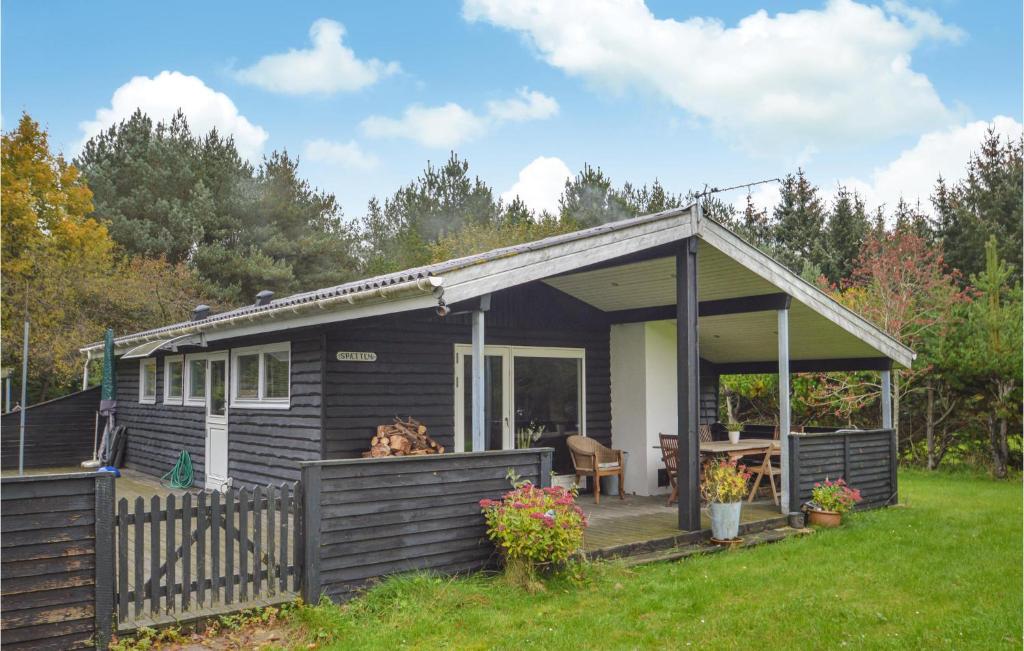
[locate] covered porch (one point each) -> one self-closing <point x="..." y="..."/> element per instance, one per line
<point x="682" y="311"/>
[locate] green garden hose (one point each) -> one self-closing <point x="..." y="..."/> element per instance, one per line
<point x="180" y="476"/>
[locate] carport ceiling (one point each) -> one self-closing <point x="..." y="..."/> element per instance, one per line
<point x="653" y="282"/>
<point x="730" y="338"/>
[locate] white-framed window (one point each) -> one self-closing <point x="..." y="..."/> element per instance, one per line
<point x="195" y="380"/>
<point x="261" y="376"/>
<point x="174" y="379"/>
<point x="147" y="380"/>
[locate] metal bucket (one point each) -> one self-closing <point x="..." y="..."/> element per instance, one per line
<point x="610" y="485"/>
<point x="725" y="520"/>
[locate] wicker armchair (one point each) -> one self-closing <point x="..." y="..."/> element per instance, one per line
<point x="591" y="458"/>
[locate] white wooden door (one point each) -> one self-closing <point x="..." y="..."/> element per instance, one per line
<point x="217" y="421"/>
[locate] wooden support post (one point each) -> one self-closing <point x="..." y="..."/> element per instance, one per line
<point x="545" y="468"/>
<point x="688" y="385"/>
<point x="104" y="523"/>
<point x="478" y="366"/>
<point x="784" y="413"/>
<point x="309" y="522"/>
<point x="886" y="399"/>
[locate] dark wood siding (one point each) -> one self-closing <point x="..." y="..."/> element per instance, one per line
<point x="369" y="518"/>
<point x="866" y="459"/>
<point x="708" y="393"/>
<point x="57" y="432"/>
<point x="49" y="561"/>
<point x="158" y="433"/>
<point x="264" y="445"/>
<point x="414" y="371"/>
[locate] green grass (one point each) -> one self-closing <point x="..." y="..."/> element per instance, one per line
<point x="943" y="573"/>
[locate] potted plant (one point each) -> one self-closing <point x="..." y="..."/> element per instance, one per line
<point x="527" y="436"/>
<point x="537" y="530"/>
<point x="829" y="501"/>
<point x="734" y="432"/>
<point x="724" y="487"/>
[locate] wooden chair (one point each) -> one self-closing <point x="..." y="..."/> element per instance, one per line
<point x="591" y="458"/>
<point x="704" y="432"/>
<point x="670" y="457"/>
<point x="768" y="469"/>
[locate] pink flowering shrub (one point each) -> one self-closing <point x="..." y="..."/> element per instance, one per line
<point x="535" y="528"/>
<point x="834" y="496"/>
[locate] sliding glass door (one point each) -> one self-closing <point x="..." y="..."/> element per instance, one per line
<point x="535" y="398"/>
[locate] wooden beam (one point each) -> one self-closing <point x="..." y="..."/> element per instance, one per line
<point x="807" y="365"/>
<point x="478" y="367"/>
<point x="688" y="383"/>
<point x="887" y="399"/>
<point x="738" y="305"/>
<point x="784" y="409"/>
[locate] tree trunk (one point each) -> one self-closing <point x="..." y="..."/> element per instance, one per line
<point x="997" y="428"/>
<point x="929" y="425"/>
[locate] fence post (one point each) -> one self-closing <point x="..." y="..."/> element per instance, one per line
<point x="545" y="468"/>
<point x="894" y="453"/>
<point x="794" y="473"/>
<point x="309" y="523"/>
<point x="104" y="559"/>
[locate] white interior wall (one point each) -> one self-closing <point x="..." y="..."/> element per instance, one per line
<point x="661" y="396"/>
<point x="629" y="427"/>
<point x="643" y="378"/>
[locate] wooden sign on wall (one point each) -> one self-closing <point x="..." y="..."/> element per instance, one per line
<point x="355" y="356"/>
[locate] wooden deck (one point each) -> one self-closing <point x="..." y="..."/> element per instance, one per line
<point x="636" y="524"/>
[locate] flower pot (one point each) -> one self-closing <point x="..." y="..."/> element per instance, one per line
<point x="824" y="518"/>
<point x="734" y="437"/>
<point x="725" y="520"/>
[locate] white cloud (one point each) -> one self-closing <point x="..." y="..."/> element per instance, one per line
<point x="540" y="184"/>
<point x="913" y="173"/>
<point x="329" y="67"/>
<point x="345" y="154"/>
<point x="161" y="96"/>
<point x="441" y="126"/>
<point x="793" y="80"/>
<point x="529" y="105"/>
<point x="450" y="124"/>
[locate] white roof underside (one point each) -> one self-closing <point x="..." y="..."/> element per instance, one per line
<point x="730" y="338"/>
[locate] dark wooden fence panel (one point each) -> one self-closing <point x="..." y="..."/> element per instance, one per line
<point x="368" y="518"/>
<point x="56" y="536"/>
<point x="188" y="554"/>
<point x="866" y="459"/>
<point x="58" y="432"/>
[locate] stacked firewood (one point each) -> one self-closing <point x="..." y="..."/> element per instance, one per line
<point x="402" y="438"/>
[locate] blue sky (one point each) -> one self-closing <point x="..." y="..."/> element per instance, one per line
<point x="881" y="97"/>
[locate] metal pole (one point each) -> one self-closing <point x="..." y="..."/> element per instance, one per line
<point x="887" y="399"/>
<point x="24" y="403"/>
<point x="7" y="394"/>
<point x="478" y="366"/>
<point x="784" y="414"/>
<point x="85" y="371"/>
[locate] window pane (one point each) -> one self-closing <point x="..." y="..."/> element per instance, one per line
<point x="494" y="408"/>
<point x="248" y="377"/>
<point x="174" y="379"/>
<point x="275" y="369"/>
<point x="149" y="379"/>
<point x="197" y="379"/>
<point x="547" y="401"/>
<point x="217" y="406"/>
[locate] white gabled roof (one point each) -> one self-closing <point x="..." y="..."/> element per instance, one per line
<point x="742" y="268"/>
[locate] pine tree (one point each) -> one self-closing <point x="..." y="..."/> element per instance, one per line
<point x="799" y="221"/>
<point x="847" y="228"/>
<point x="589" y="200"/>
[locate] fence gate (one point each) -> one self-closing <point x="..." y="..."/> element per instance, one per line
<point x="207" y="552"/>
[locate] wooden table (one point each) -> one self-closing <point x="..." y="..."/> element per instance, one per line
<point x="743" y="448"/>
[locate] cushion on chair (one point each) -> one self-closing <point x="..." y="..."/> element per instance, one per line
<point x="606" y="466"/>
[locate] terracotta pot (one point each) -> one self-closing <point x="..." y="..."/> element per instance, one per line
<point x="824" y="518"/>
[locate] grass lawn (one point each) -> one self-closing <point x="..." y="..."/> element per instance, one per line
<point x="943" y="573"/>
